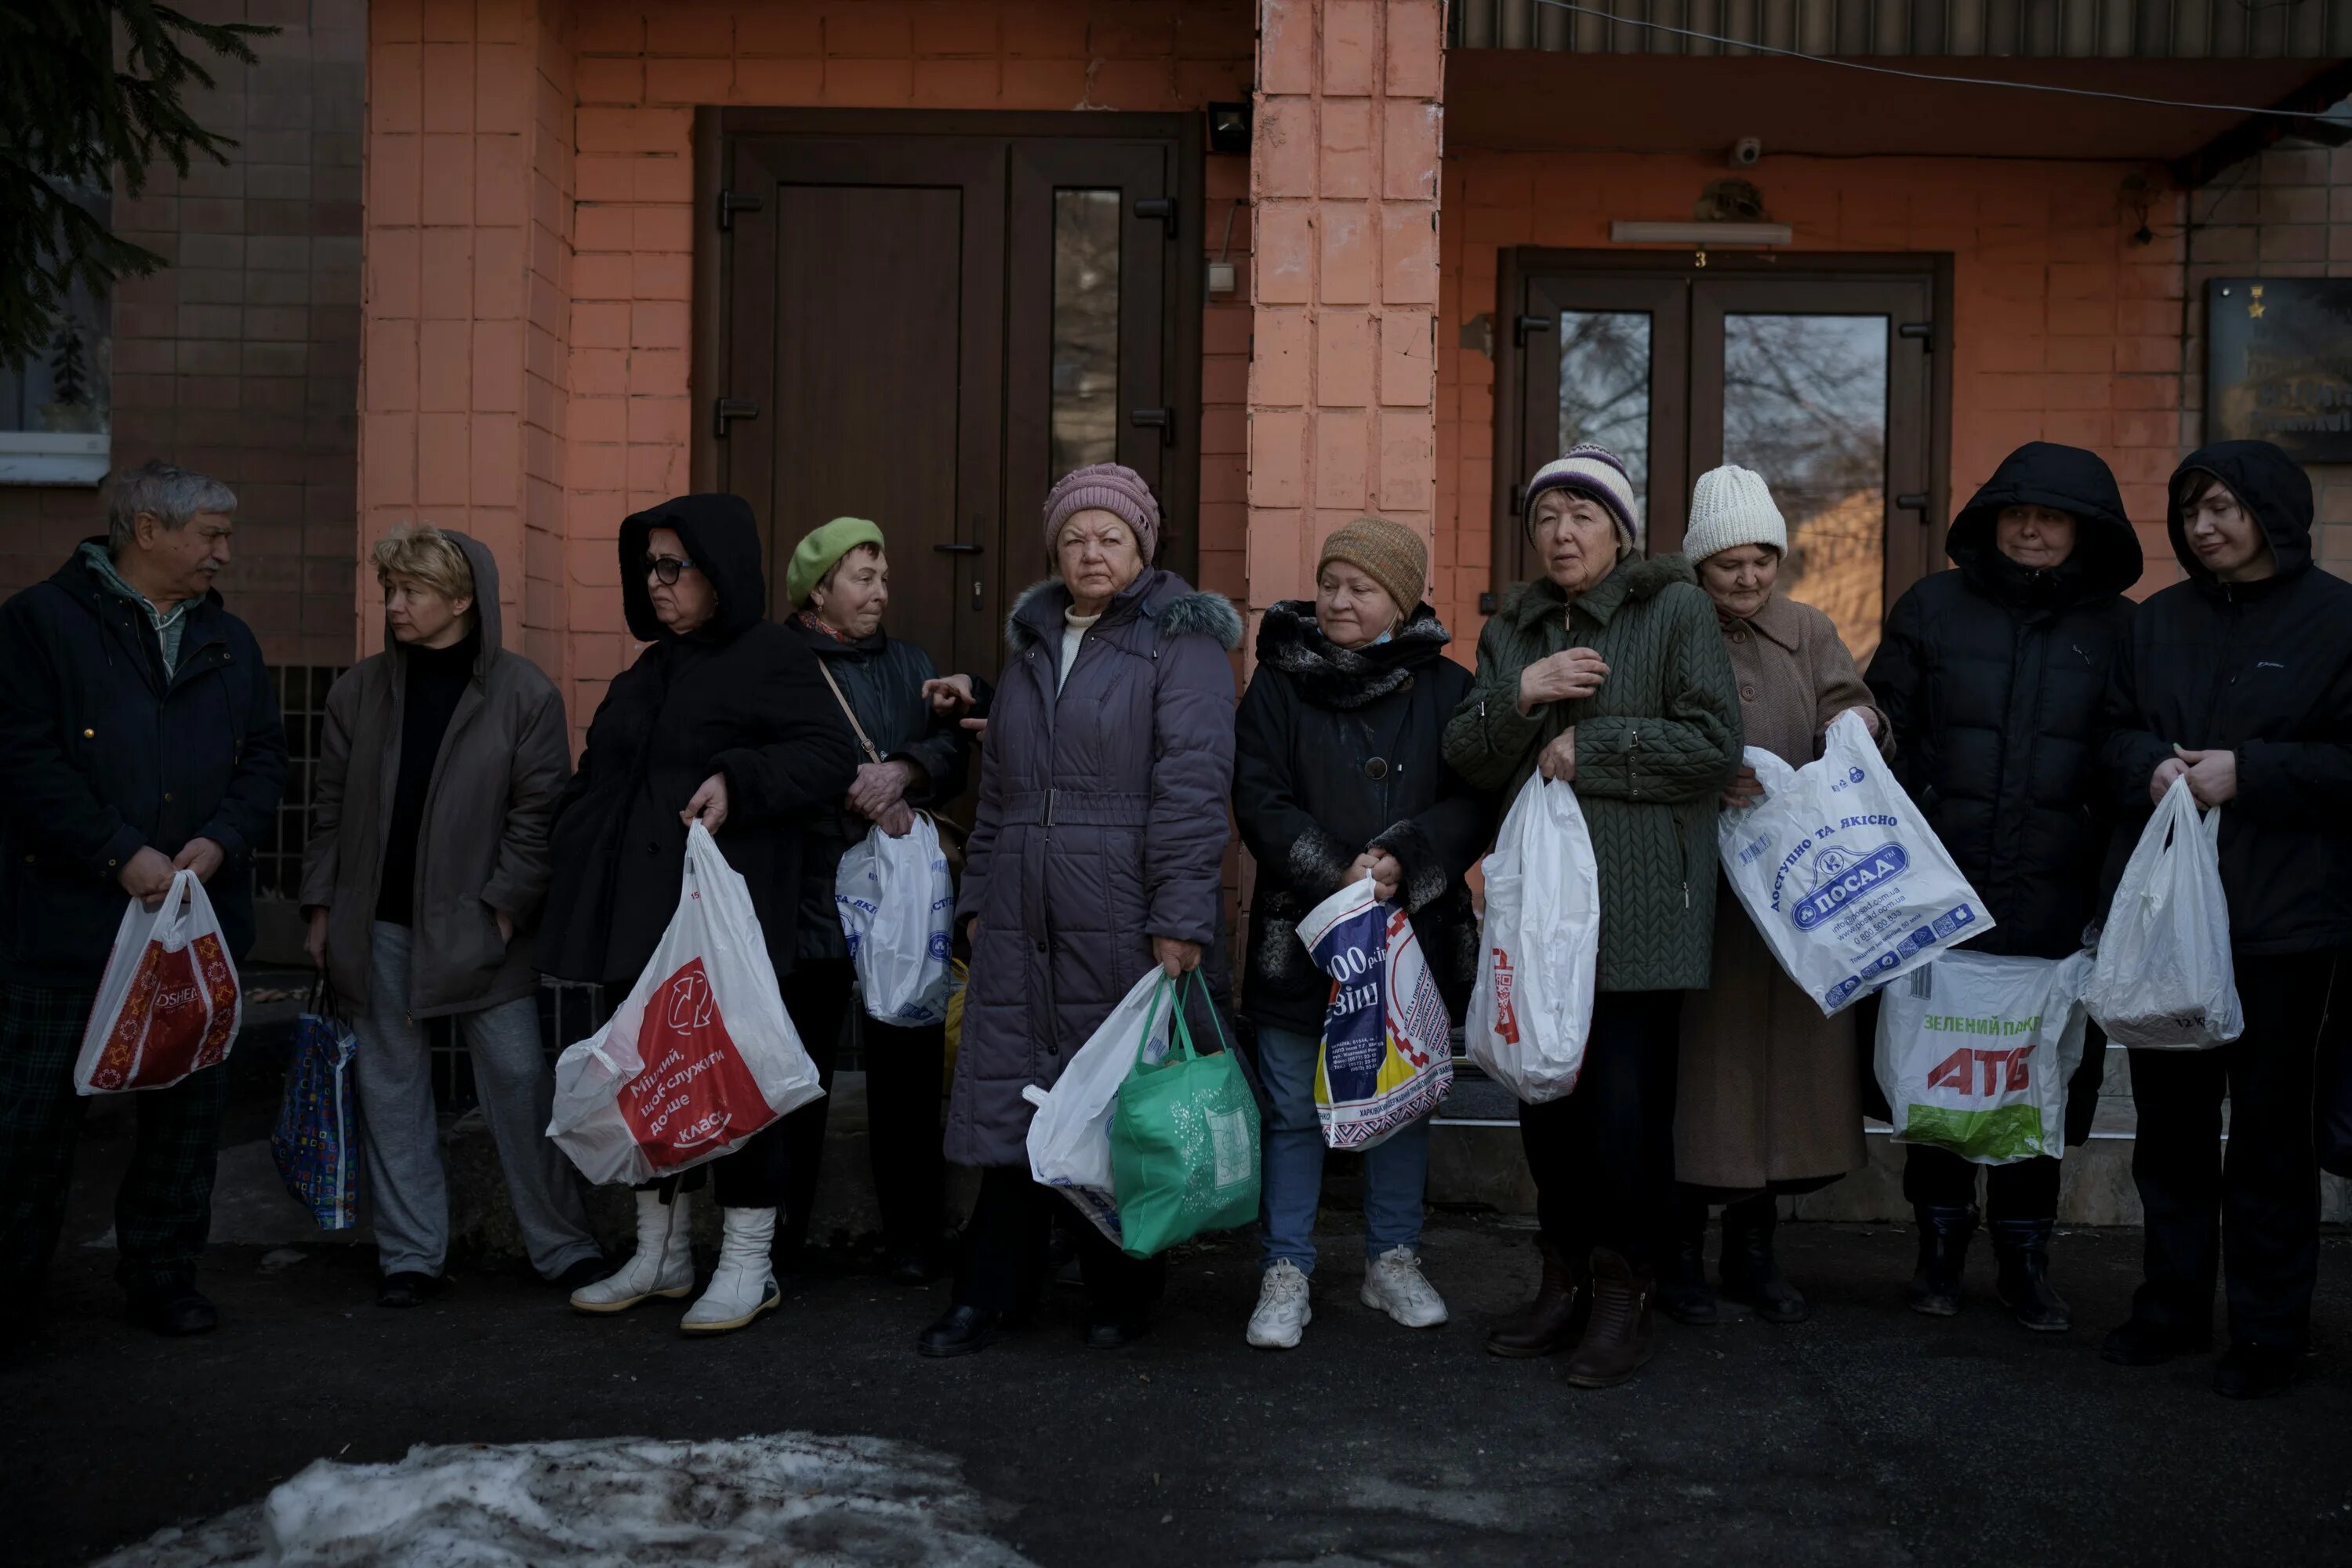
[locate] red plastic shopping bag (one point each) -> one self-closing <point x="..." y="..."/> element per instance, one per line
<point x="700" y="1057"/>
<point x="169" y="1005"/>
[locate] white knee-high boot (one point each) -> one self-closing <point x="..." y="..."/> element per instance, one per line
<point x="663" y="1264"/>
<point x="743" y="1286"/>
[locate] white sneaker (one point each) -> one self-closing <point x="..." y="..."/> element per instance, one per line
<point x="1283" y="1312"/>
<point x="743" y="1286"/>
<point x="663" y="1264"/>
<point x="1394" y="1284"/>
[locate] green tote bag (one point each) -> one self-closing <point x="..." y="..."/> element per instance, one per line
<point x="1183" y="1141"/>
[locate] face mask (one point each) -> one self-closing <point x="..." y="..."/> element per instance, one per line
<point x="1384" y="636"/>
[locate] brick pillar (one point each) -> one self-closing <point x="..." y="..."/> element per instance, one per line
<point x="1342" y="415"/>
<point x="467" y="213"/>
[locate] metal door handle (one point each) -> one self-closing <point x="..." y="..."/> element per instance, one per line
<point x="1526" y="324"/>
<point x="1161" y="207"/>
<point x="1161" y="420"/>
<point x="960" y="549"/>
<point x="731" y="408"/>
<point x="1914" y="501"/>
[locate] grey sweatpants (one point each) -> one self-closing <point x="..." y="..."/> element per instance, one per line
<point x="406" y="1187"/>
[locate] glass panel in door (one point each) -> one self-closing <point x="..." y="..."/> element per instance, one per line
<point x="1604" y="392"/>
<point x="1805" y="405"/>
<point x="1084" y="420"/>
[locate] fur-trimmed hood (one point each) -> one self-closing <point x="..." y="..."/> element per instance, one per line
<point x="1635" y="578"/>
<point x="1289" y="639"/>
<point x="1158" y="597"/>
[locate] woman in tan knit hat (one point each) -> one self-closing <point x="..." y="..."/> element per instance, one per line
<point x="1338" y="776"/>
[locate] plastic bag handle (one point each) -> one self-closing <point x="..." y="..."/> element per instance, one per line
<point x="1208" y="1006"/>
<point x="1166" y="988"/>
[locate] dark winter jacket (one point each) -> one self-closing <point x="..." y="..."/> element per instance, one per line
<point x="1338" y="750"/>
<point x="739" y="696"/>
<point x="883" y="679"/>
<point x="1655" y="746"/>
<point x="2263" y="669"/>
<point x="503" y="760"/>
<point x="1992" y="676"/>
<point x="1101" y="825"/>
<point x="102" y="754"/>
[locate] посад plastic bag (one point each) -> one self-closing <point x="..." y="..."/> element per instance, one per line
<point x="170" y="1003"/>
<point x="1974" y="1052"/>
<point x="1539" y="947"/>
<point x="702" y="1054"/>
<point x="1843" y="878"/>
<point x="1385" y="1060"/>
<point x="2164" y="976"/>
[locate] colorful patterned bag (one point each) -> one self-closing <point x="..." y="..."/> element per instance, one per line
<point x="1386" y="1059"/>
<point x="170" y="1003"/>
<point x="316" y="1140"/>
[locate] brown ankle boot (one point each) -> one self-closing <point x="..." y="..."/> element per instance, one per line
<point x="1617" y="1339"/>
<point x="1553" y="1320"/>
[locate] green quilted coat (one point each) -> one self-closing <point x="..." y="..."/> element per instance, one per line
<point x="1655" y="747"/>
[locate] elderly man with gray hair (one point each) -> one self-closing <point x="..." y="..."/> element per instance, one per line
<point x="139" y="736"/>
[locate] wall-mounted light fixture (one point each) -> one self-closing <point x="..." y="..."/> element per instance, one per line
<point x="1229" y="128"/>
<point x="1702" y="234"/>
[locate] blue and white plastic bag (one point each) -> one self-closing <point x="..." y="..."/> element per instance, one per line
<point x="1840" y="872"/>
<point x="316" y="1140"/>
<point x="896" y="901"/>
<point x="1386" y="1059"/>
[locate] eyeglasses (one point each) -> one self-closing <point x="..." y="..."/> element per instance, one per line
<point x="666" y="568"/>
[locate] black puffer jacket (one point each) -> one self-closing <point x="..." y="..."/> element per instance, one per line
<point x="1991" y="676"/>
<point x="883" y="680"/>
<point x="1317" y="724"/>
<point x="2263" y="669"/>
<point x="740" y="696"/>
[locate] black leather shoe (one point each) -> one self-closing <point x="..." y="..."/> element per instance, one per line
<point x="1116" y="1333"/>
<point x="963" y="1330"/>
<point x="2023" y="1247"/>
<point x="175" y="1313"/>
<point x="1944" y="1233"/>
<point x="1751" y="1274"/>
<point x="2135" y="1341"/>
<point x="1683" y="1293"/>
<point x="407" y="1289"/>
<point x="587" y="1272"/>
<point x="2255" y="1371"/>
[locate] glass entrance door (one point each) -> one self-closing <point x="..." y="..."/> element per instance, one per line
<point x="1819" y="383"/>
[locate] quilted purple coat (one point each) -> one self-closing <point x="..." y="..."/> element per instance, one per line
<point x="1101" y="825"/>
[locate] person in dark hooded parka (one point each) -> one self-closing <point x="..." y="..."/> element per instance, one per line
<point x="1992" y="676"/>
<point x="2241" y="678"/>
<point x="725" y="716"/>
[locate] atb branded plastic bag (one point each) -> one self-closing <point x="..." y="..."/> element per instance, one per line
<point x="2164" y="977"/>
<point x="170" y="1003"/>
<point x="315" y="1142"/>
<point x="1539" y="947"/>
<point x="896" y="900"/>
<point x="1840" y="873"/>
<point x="1974" y="1052"/>
<point x="1385" y="1060"/>
<point x="700" y="1057"/>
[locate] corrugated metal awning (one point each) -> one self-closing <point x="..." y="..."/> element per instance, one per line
<point x="2046" y="30"/>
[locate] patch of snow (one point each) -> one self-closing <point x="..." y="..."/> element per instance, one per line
<point x="793" y="1498"/>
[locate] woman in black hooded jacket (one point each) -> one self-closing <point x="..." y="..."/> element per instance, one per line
<point x="2241" y="678"/>
<point x="1990" y="676"/>
<point x="725" y="716"/>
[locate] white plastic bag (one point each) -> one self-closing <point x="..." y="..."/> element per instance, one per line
<point x="1539" y="947"/>
<point x="1385" y="1060"/>
<point x="1069" y="1138"/>
<point x="896" y="900"/>
<point x="700" y="1057"/>
<point x="2164" y="976"/>
<point x="1843" y="875"/>
<point x="1974" y="1052"/>
<point x="170" y="1003"/>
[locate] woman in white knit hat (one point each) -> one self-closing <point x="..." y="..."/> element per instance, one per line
<point x="1770" y="1103"/>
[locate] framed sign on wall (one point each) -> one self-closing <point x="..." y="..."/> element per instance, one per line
<point x="2278" y="365"/>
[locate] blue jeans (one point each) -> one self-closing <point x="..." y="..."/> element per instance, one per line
<point x="1395" y="1172"/>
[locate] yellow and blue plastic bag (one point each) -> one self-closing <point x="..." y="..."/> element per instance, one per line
<point x="1386" y="1059"/>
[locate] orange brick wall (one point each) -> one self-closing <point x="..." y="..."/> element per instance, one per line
<point x="592" y="224"/>
<point x="2063" y="330"/>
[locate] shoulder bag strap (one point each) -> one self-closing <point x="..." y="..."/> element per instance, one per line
<point x="855" y="728"/>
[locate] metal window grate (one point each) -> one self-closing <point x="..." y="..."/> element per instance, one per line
<point x="302" y="700"/>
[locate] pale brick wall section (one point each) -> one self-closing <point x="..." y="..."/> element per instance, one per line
<point x="2285" y="213"/>
<point x="2063" y="329"/>
<point x="241" y="357"/>
<point x="467" y="202"/>
<point x="1342" y="417"/>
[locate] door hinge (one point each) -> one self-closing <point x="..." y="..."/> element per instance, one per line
<point x="1923" y="331"/>
<point x="1161" y="207"/>
<point x="1526" y="324"/>
<point x="1161" y="419"/>
<point x="1519" y="499"/>
<point x="734" y="202"/>
<point x="1913" y="500"/>
<point x="729" y="408"/>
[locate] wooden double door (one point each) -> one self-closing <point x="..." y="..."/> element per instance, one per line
<point x="928" y="320"/>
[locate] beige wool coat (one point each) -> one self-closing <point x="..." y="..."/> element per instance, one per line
<point x="1768" y="1090"/>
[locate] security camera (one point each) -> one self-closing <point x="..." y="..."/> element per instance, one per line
<point x="1746" y="153"/>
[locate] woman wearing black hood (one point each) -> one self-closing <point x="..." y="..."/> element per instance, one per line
<point x="1992" y="676"/>
<point x="2241" y="678"/>
<point x="724" y="717"/>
